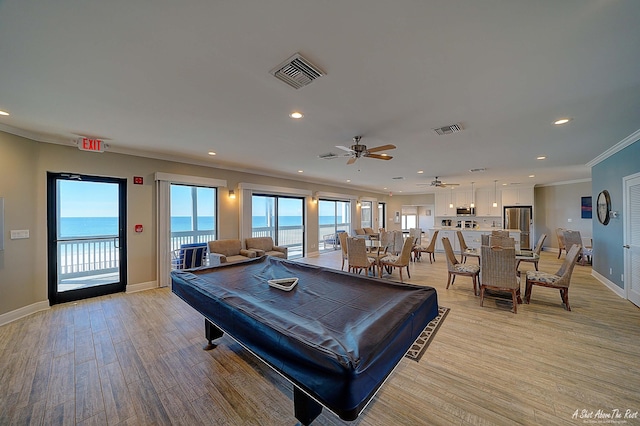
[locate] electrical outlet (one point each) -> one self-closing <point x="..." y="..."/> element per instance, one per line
<point x="621" y="277"/>
<point x="569" y="220"/>
<point x="313" y="245"/>
<point x="610" y="271"/>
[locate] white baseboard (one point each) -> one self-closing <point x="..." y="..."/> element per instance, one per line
<point x="23" y="312"/>
<point x="134" y="288"/>
<point x="609" y="284"/>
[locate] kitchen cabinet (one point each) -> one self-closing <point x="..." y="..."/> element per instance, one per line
<point x="453" y="239"/>
<point x="517" y="197"/>
<point x="462" y="198"/>
<point x="484" y="203"/>
<point x="443" y="199"/>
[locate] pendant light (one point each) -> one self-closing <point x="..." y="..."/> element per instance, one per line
<point x="472" y="205"/>
<point x="495" y="192"/>
<point x="451" y="199"/>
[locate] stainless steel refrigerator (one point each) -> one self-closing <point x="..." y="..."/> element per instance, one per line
<point x="520" y="217"/>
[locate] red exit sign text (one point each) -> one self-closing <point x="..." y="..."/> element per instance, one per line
<point x="88" y="144"/>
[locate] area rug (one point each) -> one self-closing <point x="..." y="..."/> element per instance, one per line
<point x="426" y="337"/>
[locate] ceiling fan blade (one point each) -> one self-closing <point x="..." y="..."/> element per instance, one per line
<point x="381" y="148"/>
<point x="344" y="148"/>
<point x="352" y="160"/>
<point x="379" y="157"/>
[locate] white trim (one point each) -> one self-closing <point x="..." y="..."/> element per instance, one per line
<point x="275" y="190"/>
<point x="190" y="180"/>
<point x="134" y="288"/>
<point x="629" y="140"/>
<point x="23" y="312"/>
<point x="566" y="182"/>
<point x="334" y="196"/>
<point x="609" y="284"/>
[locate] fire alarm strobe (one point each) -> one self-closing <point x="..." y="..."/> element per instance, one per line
<point x="139" y="228"/>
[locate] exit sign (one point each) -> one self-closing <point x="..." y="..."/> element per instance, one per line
<point x="88" y="144"/>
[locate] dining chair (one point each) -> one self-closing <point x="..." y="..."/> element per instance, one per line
<point x="357" y="258"/>
<point x="431" y="248"/>
<point x="561" y="244"/>
<point x="572" y="238"/>
<point x="498" y="266"/>
<point x="465" y="251"/>
<point x="456" y="268"/>
<point x="398" y="241"/>
<point x="484" y="239"/>
<point x="500" y="233"/>
<point x="343" y="245"/>
<point x="536" y="253"/>
<point x="560" y="280"/>
<point x="501" y="241"/>
<point x="398" y="261"/>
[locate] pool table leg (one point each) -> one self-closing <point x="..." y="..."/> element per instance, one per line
<point x="211" y="333"/>
<point x="305" y="408"/>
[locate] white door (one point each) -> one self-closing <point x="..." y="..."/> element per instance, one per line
<point x="632" y="237"/>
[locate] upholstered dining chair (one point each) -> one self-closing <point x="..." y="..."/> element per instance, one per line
<point x="498" y="266"/>
<point x="343" y="245"/>
<point x="484" y="239"/>
<point x="357" y="256"/>
<point x="572" y="238"/>
<point x="456" y="268"/>
<point x="430" y="248"/>
<point x="398" y="261"/>
<point x="536" y="253"/>
<point x="560" y="280"/>
<point x="465" y="251"/>
<point x="398" y="241"/>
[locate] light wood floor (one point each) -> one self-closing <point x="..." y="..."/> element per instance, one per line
<point x="136" y="360"/>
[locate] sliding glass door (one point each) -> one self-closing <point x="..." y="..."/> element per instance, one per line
<point x="281" y="218"/>
<point x="333" y="216"/>
<point x="86" y="234"/>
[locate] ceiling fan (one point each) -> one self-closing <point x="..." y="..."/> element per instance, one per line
<point x="439" y="184"/>
<point x="358" y="150"/>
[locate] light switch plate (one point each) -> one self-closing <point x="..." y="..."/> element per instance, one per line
<point x="19" y="234"/>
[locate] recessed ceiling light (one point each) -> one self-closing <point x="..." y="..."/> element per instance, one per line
<point x="504" y="184"/>
<point x="300" y="171"/>
<point x="531" y="176"/>
<point x="384" y="187"/>
<point x="4" y="113"/>
<point x="561" y="121"/>
<point x="542" y="157"/>
<point x="348" y="180"/>
<point x="296" y="114"/>
<point x="212" y="153"/>
<point x="420" y="171"/>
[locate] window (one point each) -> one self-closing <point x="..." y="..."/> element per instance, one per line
<point x="366" y="214"/>
<point x="193" y="214"/>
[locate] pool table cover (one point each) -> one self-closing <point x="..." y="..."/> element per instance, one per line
<point x="336" y="336"/>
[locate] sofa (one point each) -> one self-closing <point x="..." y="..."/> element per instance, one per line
<point x="367" y="233"/>
<point x="228" y="251"/>
<point x="264" y="246"/>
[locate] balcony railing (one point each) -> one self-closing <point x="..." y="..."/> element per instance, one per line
<point x="92" y="256"/>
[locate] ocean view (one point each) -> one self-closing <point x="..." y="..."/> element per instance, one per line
<point x="99" y="226"/>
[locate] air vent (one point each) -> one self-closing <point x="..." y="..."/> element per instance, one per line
<point x="297" y="71"/>
<point x="398" y="178"/>
<point x="328" y="156"/>
<point x="483" y="169"/>
<point x="453" y="128"/>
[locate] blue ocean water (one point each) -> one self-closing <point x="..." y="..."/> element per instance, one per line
<point x="101" y="226"/>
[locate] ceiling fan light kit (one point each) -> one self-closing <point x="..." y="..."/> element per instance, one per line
<point x="358" y="150"/>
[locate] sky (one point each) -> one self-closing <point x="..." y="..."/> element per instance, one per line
<point x="87" y="199"/>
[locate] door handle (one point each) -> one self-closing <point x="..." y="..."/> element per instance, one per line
<point x="626" y="246"/>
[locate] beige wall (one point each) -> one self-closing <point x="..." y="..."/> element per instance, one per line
<point x="23" y="170"/>
<point x="555" y="206"/>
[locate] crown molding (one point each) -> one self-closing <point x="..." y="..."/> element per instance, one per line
<point x="629" y="140"/>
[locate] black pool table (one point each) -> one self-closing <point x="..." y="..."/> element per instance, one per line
<point x="336" y="336"/>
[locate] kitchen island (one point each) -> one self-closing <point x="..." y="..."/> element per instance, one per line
<point x="472" y="236"/>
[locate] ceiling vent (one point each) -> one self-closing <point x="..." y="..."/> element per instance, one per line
<point x="328" y="156"/>
<point x="482" y="169"/>
<point x="453" y="128"/>
<point x="297" y="71"/>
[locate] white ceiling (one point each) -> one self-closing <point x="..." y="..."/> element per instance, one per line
<point x="178" y="79"/>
